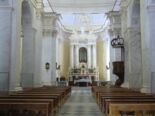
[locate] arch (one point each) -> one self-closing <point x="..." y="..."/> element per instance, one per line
<point x="83" y="55"/>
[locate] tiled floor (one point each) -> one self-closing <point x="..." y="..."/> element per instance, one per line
<point x="81" y="103"/>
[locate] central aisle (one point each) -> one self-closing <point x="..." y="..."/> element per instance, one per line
<point x="81" y="103"/>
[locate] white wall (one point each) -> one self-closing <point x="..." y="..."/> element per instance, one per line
<point x="46" y="57"/>
<point x="13" y="61"/>
<point x="5" y="46"/>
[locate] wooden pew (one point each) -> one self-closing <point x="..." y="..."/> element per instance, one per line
<point x="64" y="91"/>
<point x="37" y="106"/>
<point x="36" y="97"/>
<point x="107" y="96"/>
<point x="41" y="95"/>
<point x="137" y="109"/>
<point x="121" y="96"/>
<point x="132" y="100"/>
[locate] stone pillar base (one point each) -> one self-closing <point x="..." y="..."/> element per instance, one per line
<point x="18" y="88"/>
<point x="37" y="84"/>
<point x="125" y="85"/>
<point x="54" y="83"/>
<point x="146" y="89"/>
<point x="46" y="83"/>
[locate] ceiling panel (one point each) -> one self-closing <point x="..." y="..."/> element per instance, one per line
<point x="86" y="14"/>
<point x="82" y="6"/>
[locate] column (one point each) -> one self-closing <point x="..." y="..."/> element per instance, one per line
<point x="50" y="48"/>
<point x="38" y="46"/>
<point x="57" y="51"/>
<point x="89" y="56"/>
<point x="112" y="59"/>
<point x="74" y="56"/>
<point x="148" y="49"/>
<point x="53" y="53"/>
<point x="57" y="57"/>
<point x="6" y="49"/>
<point x="132" y="39"/>
<point x="13" y="66"/>
<point x="71" y="55"/>
<point x="77" y="56"/>
<point x="94" y="56"/>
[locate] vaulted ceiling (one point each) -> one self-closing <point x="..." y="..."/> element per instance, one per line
<point x="83" y="6"/>
<point x="82" y="14"/>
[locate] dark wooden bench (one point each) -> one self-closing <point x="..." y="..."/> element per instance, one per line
<point x="23" y="107"/>
<point x="131" y="109"/>
<point x="107" y="96"/>
<point x="50" y="99"/>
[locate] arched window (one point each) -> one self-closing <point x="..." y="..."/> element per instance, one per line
<point x="83" y="55"/>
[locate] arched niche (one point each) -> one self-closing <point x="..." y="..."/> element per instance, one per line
<point x="27" y="31"/>
<point x="83" y="55"/>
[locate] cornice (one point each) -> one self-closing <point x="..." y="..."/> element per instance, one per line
<point x="125" y="3"/>
<point x="6" y="8"/>
<point x="150" y="5"/>
<point x="51" y="14"/>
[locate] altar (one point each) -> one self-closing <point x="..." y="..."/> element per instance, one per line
<point x="83" y="69"/>
<point x="83" y="79"/>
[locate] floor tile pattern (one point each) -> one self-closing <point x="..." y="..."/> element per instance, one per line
<point x="80" y="103"/>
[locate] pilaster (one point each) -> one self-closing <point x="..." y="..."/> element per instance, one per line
<point x="50" y="32"/>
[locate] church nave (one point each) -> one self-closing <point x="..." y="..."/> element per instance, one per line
<point x="80" y="103"/>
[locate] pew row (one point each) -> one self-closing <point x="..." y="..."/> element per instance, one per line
<point x="105" y="96"/>
<point x="132" y="109"/>
<point x="41" y="101"/>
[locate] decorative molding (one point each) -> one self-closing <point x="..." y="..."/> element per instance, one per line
<point x="50" y="22"/>
<point x="6" y="8"/>
<point x="151" y="6"/>
<point x="4" y="2"/>
<point x="145" y="89"/>
<point x="125" y="3"/>
<point x="150" y="3"/>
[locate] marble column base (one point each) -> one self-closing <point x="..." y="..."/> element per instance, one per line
<point x="46" y="83"/>
<point x="146" y="89"/>
<point x="37" y="84"/>
<point x="125" y="85"/>
<point x="18" y="88"/>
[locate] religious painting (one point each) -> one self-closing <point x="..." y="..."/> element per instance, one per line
<point x="83" y="55"/>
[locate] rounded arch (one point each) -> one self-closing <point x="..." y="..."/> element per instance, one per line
<point x="83" y="55"/>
